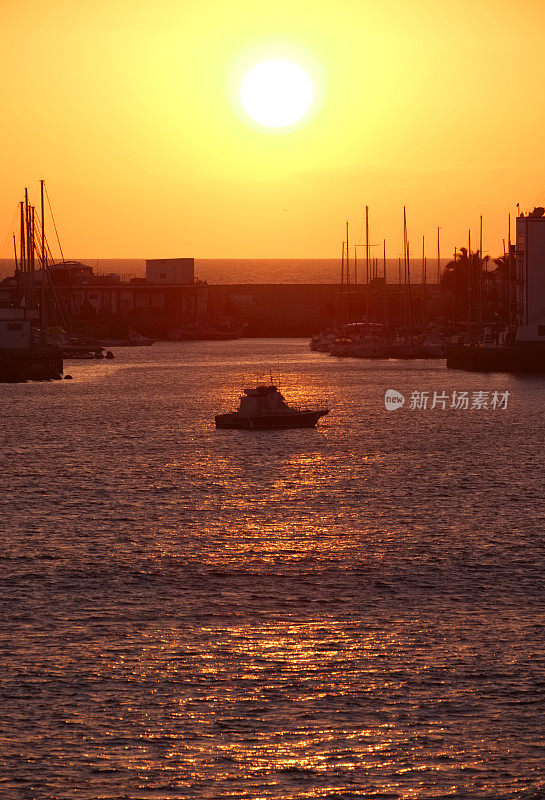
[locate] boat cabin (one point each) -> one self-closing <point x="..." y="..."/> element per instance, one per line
<point x="262" y="400"/>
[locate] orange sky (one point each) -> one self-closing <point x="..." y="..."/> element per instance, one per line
<point x="129" y="110"/>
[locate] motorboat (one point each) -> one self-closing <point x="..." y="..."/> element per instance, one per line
<point x="369" y="347"/>
<point x="264" y="408"/>
<point x="321" y="342"/>
<point x="406" y="347"/>
<point x="132" y="339"/>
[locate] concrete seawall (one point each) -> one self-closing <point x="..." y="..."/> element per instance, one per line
<point x="268" y="309"/>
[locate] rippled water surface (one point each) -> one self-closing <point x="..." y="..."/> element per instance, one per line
<point x="351" y="611"/>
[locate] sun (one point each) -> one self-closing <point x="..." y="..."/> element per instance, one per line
<point x="276" y="93"/>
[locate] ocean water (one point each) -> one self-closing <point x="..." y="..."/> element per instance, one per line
<point x="351" y="611"/>
<point x="256" y="270"/>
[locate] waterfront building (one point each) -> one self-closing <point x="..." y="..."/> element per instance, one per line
<point x="530" y="277"/>
<point x="167" y="297"/>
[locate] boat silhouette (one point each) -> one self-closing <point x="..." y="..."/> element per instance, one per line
<point x="264" y="408"/>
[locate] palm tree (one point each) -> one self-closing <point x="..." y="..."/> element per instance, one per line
<point x="465" y="279"/>
<point x="504" y="276"/>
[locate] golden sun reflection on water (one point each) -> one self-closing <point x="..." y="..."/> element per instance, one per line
<point x="273" y="700"/>
<point x="303" y="615"/>
<point x="318" y="703"/>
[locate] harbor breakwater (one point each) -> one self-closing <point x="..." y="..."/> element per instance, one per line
<point x="303" y="309"/>
<point x="282" y="310"/>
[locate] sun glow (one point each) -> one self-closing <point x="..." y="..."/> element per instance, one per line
<point x="276" y="93"/>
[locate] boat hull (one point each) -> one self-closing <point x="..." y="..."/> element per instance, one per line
<point x="302" y="419"/>
<point x="82" y="351"/>
<point x="31" y="364"/>
<point x="143" y="342"/>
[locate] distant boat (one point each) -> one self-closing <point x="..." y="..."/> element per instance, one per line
<point x="264" y="408"/>
<point x="322" y="341"/>
<point x="83" y="346"/>
<point x="25" y="353"/>
<point x="370" y="347"/>
<point x="132" y="339"/>
<point x="209" y="331"/>
<point x="75" y="348"/>
<point x="405" y="347"/>
<point x="433" y="346"/>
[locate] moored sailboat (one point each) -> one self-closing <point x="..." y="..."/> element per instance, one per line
<point x="25" y="353"/>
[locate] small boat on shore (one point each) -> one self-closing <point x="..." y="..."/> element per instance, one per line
<point x="264" y="408"/>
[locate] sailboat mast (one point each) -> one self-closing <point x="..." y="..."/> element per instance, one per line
<point x="423" y="280"/>
<point x="480" y="319"/>
<point x="355" y="284"/>
<point x="42" y="215"/>
<point x="22" y="236"/>
<point x="32" y="238"/>
<point x="510" y="273"/>
<point x="347" y="275"/>
<point x="438" y="260"/>
<point x="342" y="284"/>
<point x="44" y="259"/>
<point x="27" y="229"/>
<point x="367" y="262"/>
<point x="469" y="282"/>
<point x="15" y="252"/>
<point x="409" y="293"/>
<point x="385" y="284"/>
<point x="454" y="314"/>
<point x="405" y="256"/>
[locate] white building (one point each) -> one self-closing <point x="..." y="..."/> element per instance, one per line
<point x="530" y="266"/>
<point x="174" y="271"/>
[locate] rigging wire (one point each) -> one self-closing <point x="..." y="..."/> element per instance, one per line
<point x="47" y="276"/>
<point x="9" y="235"/>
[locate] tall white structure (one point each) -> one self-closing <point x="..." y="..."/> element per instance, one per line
<point x="170" y="270"/>
<point x="530" y="265"/>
